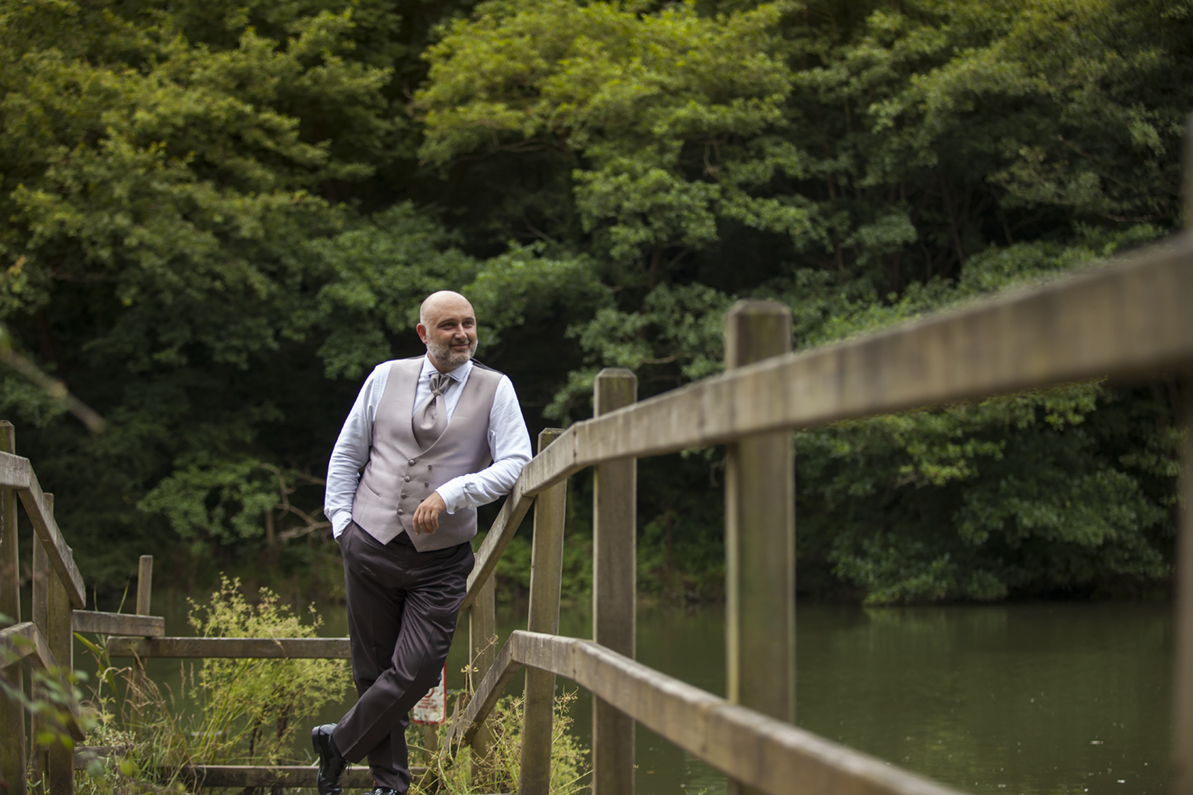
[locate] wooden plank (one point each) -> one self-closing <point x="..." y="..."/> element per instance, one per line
<point x="1183" y="656"/>
<point x="52" y="616"/>
<point x="355" y="776"/>
<point x="12" y="716"/>
<point x="1182" y="708"/>
<point x="257" y="648"/>
<point x="546" y="577"/>
<point x="1188" y="172"/>
<point x="1118" y="322"/>
<point x="61" y="559"/>
<point x="25" y="642"/>
<point x="43" y="579"/>
<point x="14" y="471"/>
<point x="119" y="624"/>
<point x="21" y="641"/>
<point x="496" y="540"/>
<point x="770" y="755"/>
<point x="464" y="727"/>
<point x="760" y="533"/>
<point x="614" y="586"/>
<point x="140" y="676"/>
<point x="759" y="537"/>
<point x="482" y="640"/>
<point x="145" y="585"/>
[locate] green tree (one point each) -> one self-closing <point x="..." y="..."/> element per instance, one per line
<point x="219" y="218"/>
<point x="865" y="163"/>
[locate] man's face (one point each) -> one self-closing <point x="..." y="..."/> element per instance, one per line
<point x="450" y="332"/>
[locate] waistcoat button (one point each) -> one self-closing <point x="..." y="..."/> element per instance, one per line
<point x="411" y="463"/>
<point x="403" y="495"/>
<point x="399" y="511"/>
<point x="407" y="478"/>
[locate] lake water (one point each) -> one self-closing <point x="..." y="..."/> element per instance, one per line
<point x="1037" y="699"/>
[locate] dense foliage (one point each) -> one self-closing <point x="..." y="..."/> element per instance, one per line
<point x="217" y="217"/>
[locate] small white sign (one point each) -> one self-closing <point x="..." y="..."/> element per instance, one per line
<point x="433" y="707"/>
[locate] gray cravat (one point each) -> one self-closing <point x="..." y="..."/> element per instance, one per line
<point x="430" y="421"/>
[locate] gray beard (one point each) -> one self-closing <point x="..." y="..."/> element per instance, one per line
<point x="445" y="355"/>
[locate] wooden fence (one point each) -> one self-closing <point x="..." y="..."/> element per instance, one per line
<point x="1128" y="320"/>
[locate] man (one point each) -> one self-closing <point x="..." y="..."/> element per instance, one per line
<point x="436" y="436"/>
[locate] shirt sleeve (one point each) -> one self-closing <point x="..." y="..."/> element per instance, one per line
<point x="351" y="452"/>
<point x="509" y="447"/>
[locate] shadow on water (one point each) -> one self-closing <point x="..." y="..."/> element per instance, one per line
<point x="1037" y="699"/>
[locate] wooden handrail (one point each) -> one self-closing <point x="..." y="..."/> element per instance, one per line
<point x="355" y="776"/>
<point x="768" y="754"/>
<point x="1114" y="322"/>
<point x="126" y="624"/>
<point x="252" y="648"/>
<point x="1130" y="319"/>
<point x="16" y="473"/>
<point x="513" y="511"/>
<point x="24" y="640"/>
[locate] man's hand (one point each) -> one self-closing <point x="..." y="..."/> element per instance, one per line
<point x="426" y="515"/>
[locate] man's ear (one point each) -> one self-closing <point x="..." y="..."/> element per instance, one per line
<point x="422" y="332"/>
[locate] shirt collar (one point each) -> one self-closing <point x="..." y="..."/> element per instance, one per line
<point x="459" y="374"/>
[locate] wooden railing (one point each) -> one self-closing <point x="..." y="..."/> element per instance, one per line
<point x="1128" y="320"/>
<point x="46" y="641"/>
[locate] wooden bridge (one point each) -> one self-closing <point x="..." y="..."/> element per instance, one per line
<point x="1130" y="320"/>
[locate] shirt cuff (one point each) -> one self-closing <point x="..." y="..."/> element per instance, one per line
<point x="452" y="493"/>
<point x="339" y="523"/>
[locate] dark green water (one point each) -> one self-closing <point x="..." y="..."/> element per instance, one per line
<point x="1032" y="699"/>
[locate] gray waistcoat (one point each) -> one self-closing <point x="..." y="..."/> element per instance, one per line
<point x="400" y="474"/>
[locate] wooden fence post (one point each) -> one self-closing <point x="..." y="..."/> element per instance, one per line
<point x="12" y="716"/>
<point x="145" y="585"/>
<point x="52" y="615"/>
<point x="546" y="573"/>
<point x="759" y="534"/>
<point x="140" y="678"/>
<point x="482" y="629"/>
<point x="614" y="584"/>
<point x="1183" y="675"/>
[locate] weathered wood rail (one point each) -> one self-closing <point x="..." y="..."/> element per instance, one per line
<point x="46" y="643"/>
<point x="1131" y="319"/>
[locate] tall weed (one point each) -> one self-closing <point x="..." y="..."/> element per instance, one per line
<point x="456" y="771"/>
<point x="226" y="712"/>
<point x="251" y="708"/>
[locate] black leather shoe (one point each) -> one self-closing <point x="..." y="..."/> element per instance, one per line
<point x="331" y="764"/>
<point x="383" y="791"/>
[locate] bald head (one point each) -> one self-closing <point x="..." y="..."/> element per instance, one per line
<point x="447" y="324"/>
<point x="440" y="301"/>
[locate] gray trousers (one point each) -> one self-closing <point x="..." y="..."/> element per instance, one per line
<point x="402" y="607"/>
